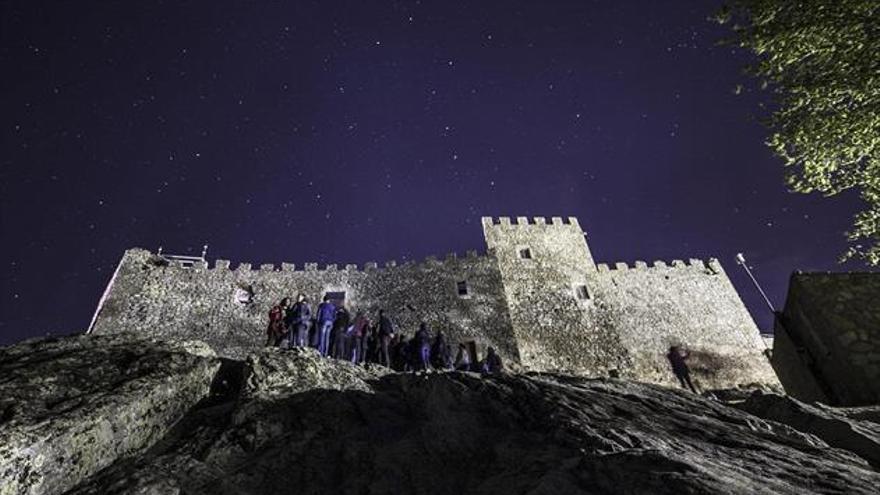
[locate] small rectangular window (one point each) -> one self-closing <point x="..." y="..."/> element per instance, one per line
<point x="582" y="292"/>
<point x="525" y="253"/>
<point x="462" y="288"/>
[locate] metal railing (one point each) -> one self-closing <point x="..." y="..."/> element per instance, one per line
<point x="184" y="260"/>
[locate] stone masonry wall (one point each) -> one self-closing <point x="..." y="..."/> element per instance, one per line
<point x="537" y="297"/>
<point x="834" y="321"/>
<point x="199" y="303"/>
<point x="692" y="305"/>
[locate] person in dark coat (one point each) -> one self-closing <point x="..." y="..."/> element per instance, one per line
<point x="422" y="347"/>
<point x="399" y="351"/>
<point x="462" y="358"/>
<point x="275" y="331"/>
<point x="341" y="333"/>
<point x="441" y="358"/>
<point x="678" y="360"/>
<point x="371" y="345"/>
<point x="359" y="330"/>
<point x="300" y="320"/>
<point x="326" y="316"/>
<point x="386" y="332"/>
<point x="492" y="362"/>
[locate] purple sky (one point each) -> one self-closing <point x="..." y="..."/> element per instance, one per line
<point x="344" y="132"/>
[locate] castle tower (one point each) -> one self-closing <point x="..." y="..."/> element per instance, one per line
<point x="550" y="281"/>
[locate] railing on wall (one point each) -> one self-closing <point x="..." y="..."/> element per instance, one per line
<point x="184" y="260"/>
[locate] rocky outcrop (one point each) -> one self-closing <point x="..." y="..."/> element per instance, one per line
<point x="72" y="406"/>
<point x="274" y="373"/>
<point x="854" y="429"/>
<point x="293" y="422"/>
<point x="303" y="424"/>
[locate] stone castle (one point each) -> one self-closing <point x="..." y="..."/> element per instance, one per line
<point x="536" y="295"/>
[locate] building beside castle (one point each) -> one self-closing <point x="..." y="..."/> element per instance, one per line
<point x="827" y="338"/>
<point x="536" y="295"/>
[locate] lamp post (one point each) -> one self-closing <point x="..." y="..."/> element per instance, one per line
<point x="741" y="261"/>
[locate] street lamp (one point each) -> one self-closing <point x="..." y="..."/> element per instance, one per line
<point x="741" y="261"/>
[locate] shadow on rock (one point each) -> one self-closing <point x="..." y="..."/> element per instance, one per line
<point x="451" y="433"/>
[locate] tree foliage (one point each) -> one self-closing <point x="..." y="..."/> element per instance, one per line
<point x="821" y="61"/>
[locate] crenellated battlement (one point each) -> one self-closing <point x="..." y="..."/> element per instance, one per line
<point x="709" y="267"/>
<point x="502" y="222"/>
<point x="223" y="265"/>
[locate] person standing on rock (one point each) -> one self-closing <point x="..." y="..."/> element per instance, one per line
<point x="275" y="331"/>
<point x="677" y="359"/>
<point x="386" y="332"/>
<point x="341" y="325"/>
<point x="492" y="362"/>
<point x="301" y="318"/>
<point x="359" y="330"/>
<point x="422" y="346"/>
<point x="401" y="353"/>
<point x="441" y="357"/>
<point x="326" y="316"/>
<point x="371" y="344"/>
<point x="462" y="358"/>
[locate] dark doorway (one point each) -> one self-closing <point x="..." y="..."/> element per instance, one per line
<point x="337" y="298"/>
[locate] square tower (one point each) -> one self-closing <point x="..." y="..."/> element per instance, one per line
<point x="549" y="280"/>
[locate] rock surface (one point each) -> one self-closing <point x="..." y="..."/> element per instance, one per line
<point x="302" y="424"/>
<point x="72" y="406"/>
<point x="293" y="422"/>
<point x="853" y="429"/>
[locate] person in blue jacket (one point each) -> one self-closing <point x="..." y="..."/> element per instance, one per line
<point x="326" y="316"/>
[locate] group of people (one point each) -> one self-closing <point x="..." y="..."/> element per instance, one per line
<point x="335" y="333"/>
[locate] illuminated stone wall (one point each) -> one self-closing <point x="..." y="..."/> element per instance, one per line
<point x="536" y="295"/>
<point x="167" y="300"/>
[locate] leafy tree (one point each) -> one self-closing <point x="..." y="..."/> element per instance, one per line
<point x="821" y="61"/>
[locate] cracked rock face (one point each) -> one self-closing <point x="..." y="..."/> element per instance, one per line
<point x="302" y="424"/>
<point x="72" y="406"/>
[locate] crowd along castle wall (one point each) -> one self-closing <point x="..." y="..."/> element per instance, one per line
<point x="536" y="295"/>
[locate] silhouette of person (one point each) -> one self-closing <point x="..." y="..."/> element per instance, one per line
<point x="386" y="332"/>
<point x="300" y="316"/>
<point x="326" y="317"/>
<point x="275" y="332"/>
<point x="492" y="362"/>
<point x="677" y="359"/>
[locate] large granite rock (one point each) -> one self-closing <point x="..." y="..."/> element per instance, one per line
<point x="302" y="424"/>
<point x="853" y="429"/>
<point x="72" y="406"/>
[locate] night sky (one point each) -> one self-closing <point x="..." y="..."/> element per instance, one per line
<point x="345" y="132"/>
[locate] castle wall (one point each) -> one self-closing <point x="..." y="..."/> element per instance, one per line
<point x="200" y="303"/>
<point x="537" y="297"/>
<point x="692" y="305"/>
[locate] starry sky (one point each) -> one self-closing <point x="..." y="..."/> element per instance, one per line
<point x="345" y="132"/>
